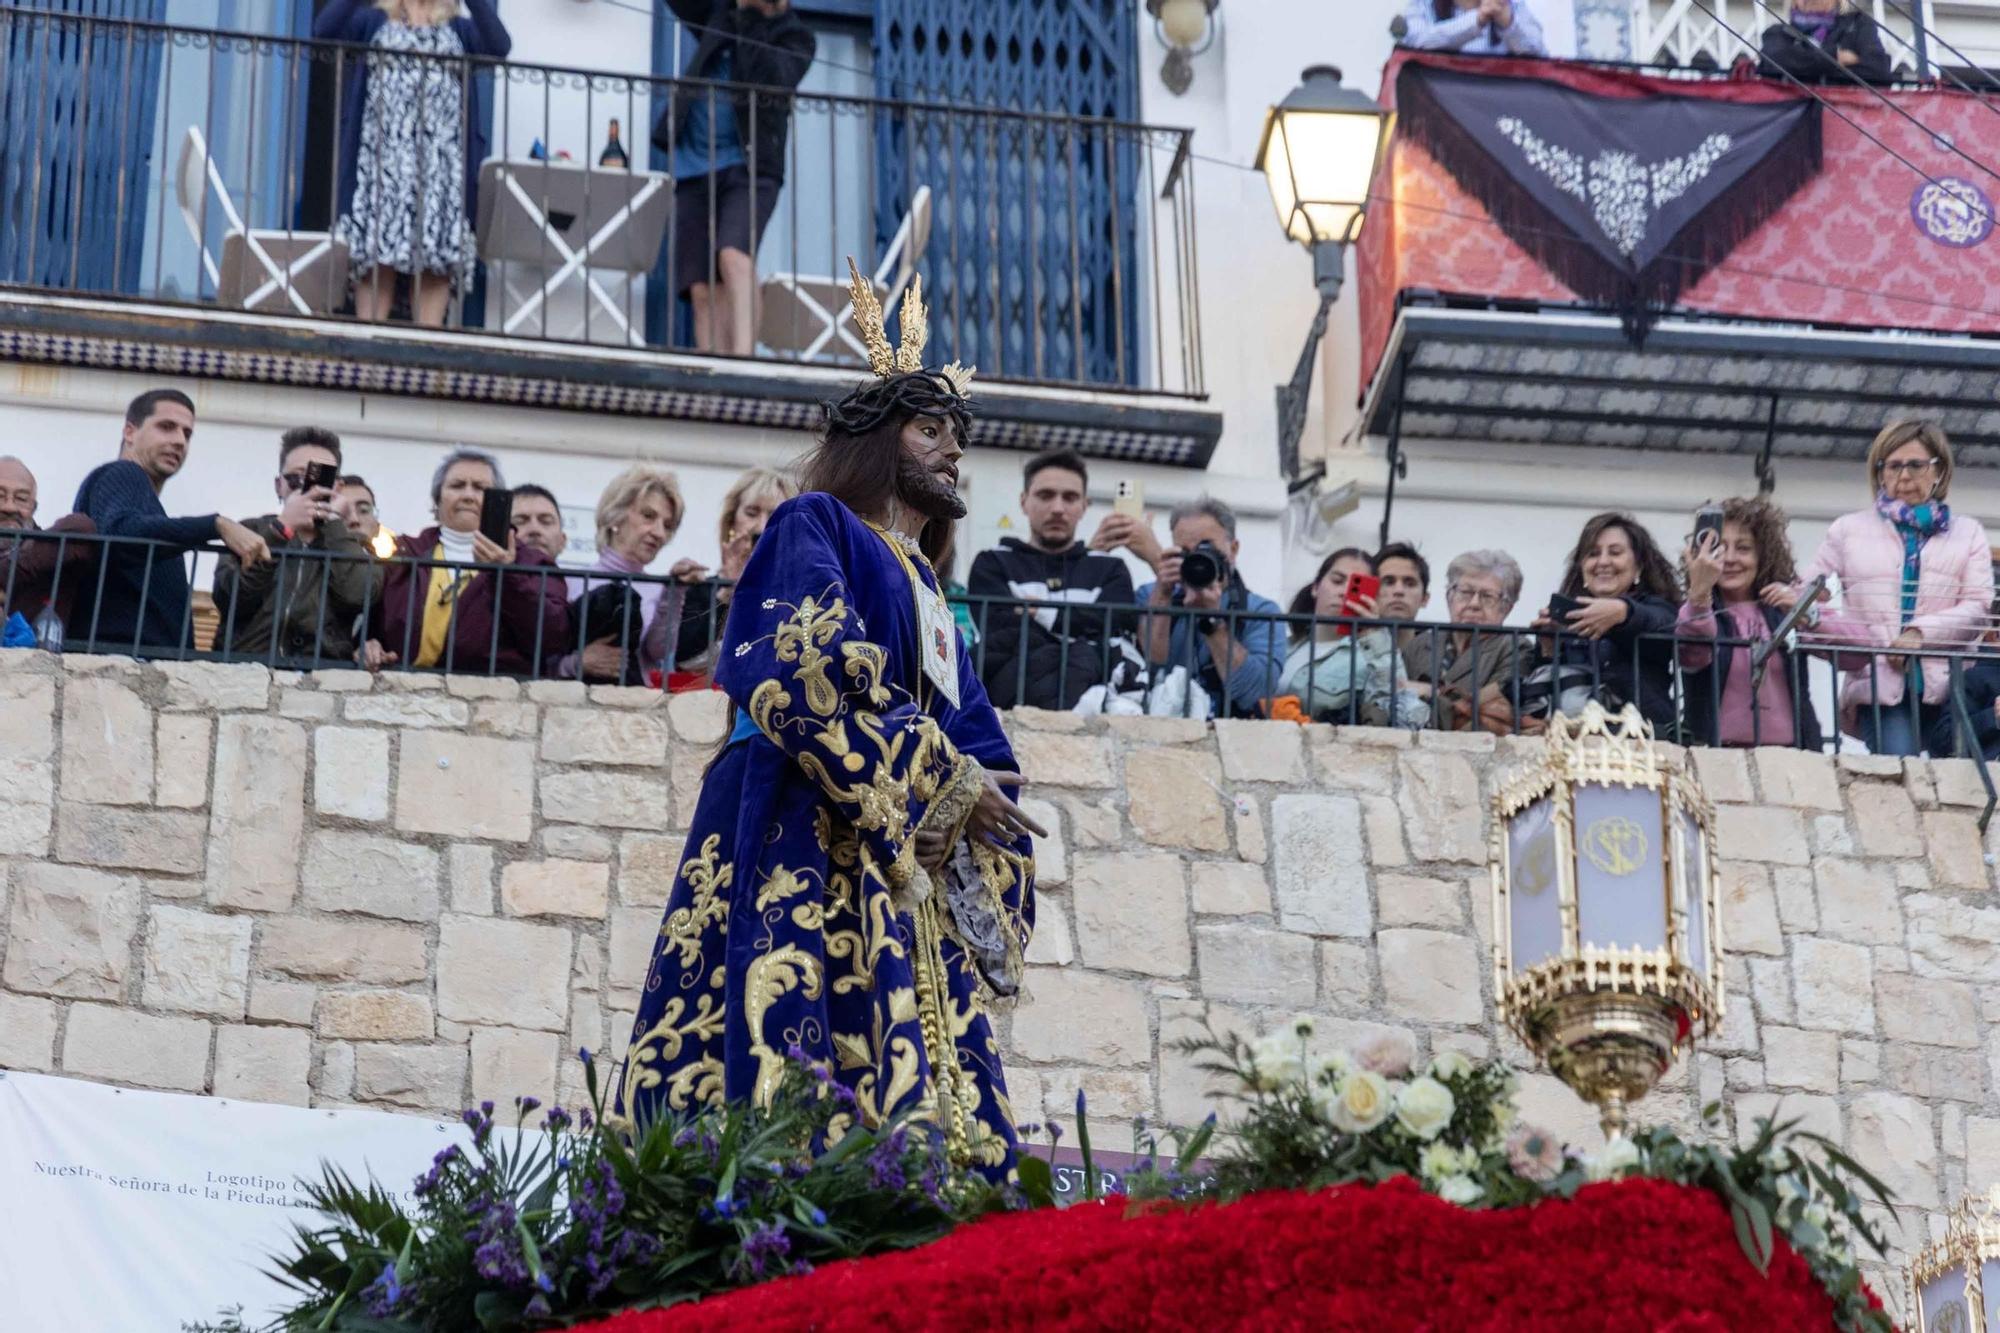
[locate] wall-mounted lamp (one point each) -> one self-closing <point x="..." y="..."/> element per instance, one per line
<point x="1186" y="29"/>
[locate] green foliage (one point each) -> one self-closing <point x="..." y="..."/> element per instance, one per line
<point x="540" y="1230"/>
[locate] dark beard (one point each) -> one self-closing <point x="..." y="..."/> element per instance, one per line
<point x="926" y="492"/>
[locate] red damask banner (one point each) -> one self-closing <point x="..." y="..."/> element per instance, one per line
<point x="1868" y="243"/>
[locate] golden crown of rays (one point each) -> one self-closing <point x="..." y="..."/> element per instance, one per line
<point x="887" y="361"/>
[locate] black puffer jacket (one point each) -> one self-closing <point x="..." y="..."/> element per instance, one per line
<point x="1790" y="50"/>
<point x="1634" y="662"/>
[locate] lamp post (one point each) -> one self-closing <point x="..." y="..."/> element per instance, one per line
<point x="1954" y="1283"/>
<point x="1319" y="152"/>
<point x="1606" y="909"/>
<point x="1186" y="29"/>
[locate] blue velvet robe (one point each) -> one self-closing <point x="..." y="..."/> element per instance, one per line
<point x="800" y="916"/>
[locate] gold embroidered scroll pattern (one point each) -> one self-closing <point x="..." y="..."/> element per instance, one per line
<point x="699" y="1080"/>
<point x="709" y="883"/>
<point x="770" y="978"/>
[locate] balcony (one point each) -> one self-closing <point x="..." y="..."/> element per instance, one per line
<point x="1861" y="295"/>
<point x="168" y="200"/>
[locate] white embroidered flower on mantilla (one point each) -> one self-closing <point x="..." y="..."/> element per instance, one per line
<point x="1623" y="192"/>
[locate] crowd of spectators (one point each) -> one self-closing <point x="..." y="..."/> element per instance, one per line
<point x="1052" y="619"/>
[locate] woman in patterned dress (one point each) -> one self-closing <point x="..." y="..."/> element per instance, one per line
<point x="411" y="140"/>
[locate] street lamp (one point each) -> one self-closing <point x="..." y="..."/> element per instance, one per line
<point x="1320" y="149"/>
<point x="1607" y="949"/>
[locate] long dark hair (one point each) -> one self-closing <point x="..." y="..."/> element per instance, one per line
<point x="1306" y="600"/>
<point x="860" y="472"/>
<point x="1443" y="9"/>
<point x="1656" y="576"/>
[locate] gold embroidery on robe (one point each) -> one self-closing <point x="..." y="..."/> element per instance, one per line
<point x="683" y="929"/>
<point x="774" y="974"/>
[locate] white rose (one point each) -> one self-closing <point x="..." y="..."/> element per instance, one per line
<point x="1611" y="1161"/>
<point x="1450" y="1064"/>
<point x="1278" y="1060"/>
<point x="1425" y="1107"/>
<point x="1461" y="1190"/>
<point x="1365" y="1100"/>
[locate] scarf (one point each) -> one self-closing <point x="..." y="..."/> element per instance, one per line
<point x="1915" y="524"/>
<point x="1817" y="25"/>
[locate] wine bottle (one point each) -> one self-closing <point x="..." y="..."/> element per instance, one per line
<point x="614" y="151"/>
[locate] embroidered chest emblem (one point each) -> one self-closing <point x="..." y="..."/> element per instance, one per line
<point x="1623" y="193"/>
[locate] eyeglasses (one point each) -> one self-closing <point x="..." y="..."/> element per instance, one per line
<point x="1477" y="596"/>
<point x="294" y="481"/>
<point x="1909" y="467"/>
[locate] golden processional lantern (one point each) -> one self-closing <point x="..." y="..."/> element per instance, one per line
<point x="1607" y="957"/>
<point x="1955" y="1282"/>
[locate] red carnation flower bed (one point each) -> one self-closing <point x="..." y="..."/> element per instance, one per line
<point x="1637" y="1254"/>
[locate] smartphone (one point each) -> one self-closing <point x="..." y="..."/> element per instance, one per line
<point x="1360" y="588"/>
<point x="496" y="516"/>
<point x="321" y="476"/>
<point x="1560" y="608"/>
<point x="1707" y="519"/>
<point x="1131" y="499"/>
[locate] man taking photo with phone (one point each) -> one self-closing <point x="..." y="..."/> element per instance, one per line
<point x="1045" y="655"/>
<point x="308" y="605"/>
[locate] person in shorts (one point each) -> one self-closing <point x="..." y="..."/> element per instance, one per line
<point x="726" y="176"/>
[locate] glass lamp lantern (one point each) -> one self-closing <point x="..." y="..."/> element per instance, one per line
<point x="1606" y="907"/>
<point x="1955" y="1282"/>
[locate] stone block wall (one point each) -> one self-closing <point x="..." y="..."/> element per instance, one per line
<point x="415" y="892"/>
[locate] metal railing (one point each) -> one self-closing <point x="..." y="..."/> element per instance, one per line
<point x="308" y="611"/>
<point x="1679" y="30"/>
<point x="239" y="171"/>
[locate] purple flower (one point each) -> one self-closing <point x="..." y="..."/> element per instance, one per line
<point x="556" y="1119"/>
<point x="527" y="1104"/>
<point x="381" y="1297"/>
<point x="725" y="1206"/>
<point x="583" y="1054"/>
<point x="767" y="1249"/>
<point x="885" y="1163"/>
<point x="818" y="1217"/>
<point x="538" y="1308"/>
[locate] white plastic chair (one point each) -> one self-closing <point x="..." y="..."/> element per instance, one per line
<point x="260" y="270"/>
<point x="804" y="315"/>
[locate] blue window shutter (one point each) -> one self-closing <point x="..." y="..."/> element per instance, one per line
<point x="1032" y="270"/>
<point x="78" y="101"/>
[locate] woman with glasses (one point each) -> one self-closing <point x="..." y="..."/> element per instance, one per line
<point x="1472" y="679"/>
<point x="1913" y="576"/>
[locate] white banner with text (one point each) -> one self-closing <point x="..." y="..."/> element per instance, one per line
<point x="130" y="1212"/>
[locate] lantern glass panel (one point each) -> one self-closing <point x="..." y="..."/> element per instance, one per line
<point x="1694" y="875"/>
<point x="1534" y="898"/>
<point x="1944" y="1303"/>
<point x="1621" y="887"/>
<point x="1989" y="1277"/>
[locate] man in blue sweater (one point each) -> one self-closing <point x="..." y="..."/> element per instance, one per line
<point x="1230" y="640"/>
<point x="141" y="602"/>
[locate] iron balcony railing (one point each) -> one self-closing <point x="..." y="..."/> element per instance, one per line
<point x="1112" y="658"/>
<point x="206" y="168"/>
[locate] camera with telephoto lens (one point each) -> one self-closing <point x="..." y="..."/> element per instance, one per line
<point x="1204" y="566"/>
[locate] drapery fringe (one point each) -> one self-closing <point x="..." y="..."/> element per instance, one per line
<point x="1638" y="298"/>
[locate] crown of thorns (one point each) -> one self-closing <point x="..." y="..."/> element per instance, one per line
<point x="902" y="387"/>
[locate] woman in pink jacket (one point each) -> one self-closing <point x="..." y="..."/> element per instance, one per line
<point x="1913" y="576"/>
